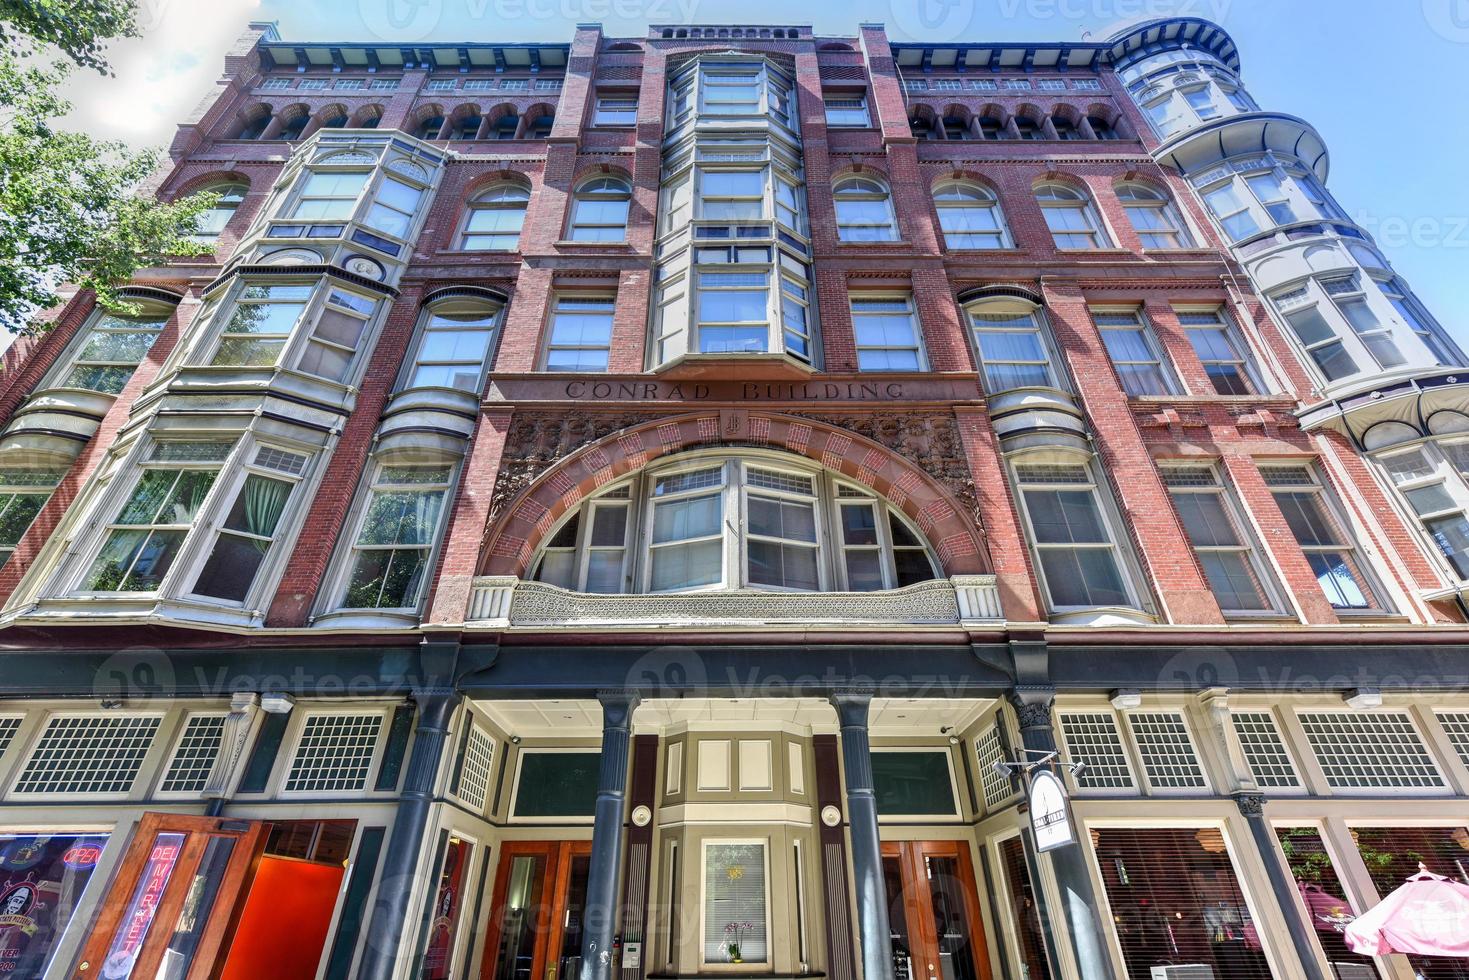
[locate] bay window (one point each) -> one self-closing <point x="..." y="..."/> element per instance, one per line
<point x="399" y="528"/>
<point x="1231" y="211"/>
<point x="1013" y="351"/>
<point x="725" y="522"/>
<point x="261" y="323"/>
<point x="730" y="92"/>
<point x="731" y="195"/>
<point x="264" y="317"/>
<point x="736" y="898"/>
<point x="1220" y="539"/>
<point x="143" y="540"/>
<point x="110" y="350"/>
<point x="454" y="345"/>
<point x="250" y="525"/>
<point x="1263" y="194"/>
<point x="1320" y="533"/>
<point x="330" y="195"/>
<point x="1075" y="546"/>
<point x="393" y="208"/>
<point x="1350" y="300"/>
<point x="23" y="492"/>
<point x="733" y="312"/>
<point x="1430" y="478"/>
<point x="1414" y="318"/>
<point x="1318" y="338"/>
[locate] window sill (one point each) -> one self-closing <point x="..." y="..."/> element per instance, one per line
<point x="752" y="366"/>
<point x="624" y="245"/>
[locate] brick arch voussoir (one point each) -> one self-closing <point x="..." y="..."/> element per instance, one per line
<point x="954" y="535"/>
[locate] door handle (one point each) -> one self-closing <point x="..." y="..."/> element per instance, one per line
<point x="551" y="972"/>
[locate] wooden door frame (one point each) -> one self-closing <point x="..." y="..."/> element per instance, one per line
<point x="223" y="914"/>
<point x="554" y="879"/>
<point x="918" y="904"/>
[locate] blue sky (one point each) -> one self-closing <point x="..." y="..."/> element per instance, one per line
<point x="1381" y="81"/>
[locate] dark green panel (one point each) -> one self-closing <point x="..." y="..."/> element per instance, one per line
<point x="913" y="783"/>
<point x="557" y="784"/>
<point x="349" y="926"/>
<point x="262" y="757"/>
<point x="398" y="731"/>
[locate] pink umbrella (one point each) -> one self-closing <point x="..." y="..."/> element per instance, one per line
<point x="1428" y="916"/>
<point x="1328" y="913"/>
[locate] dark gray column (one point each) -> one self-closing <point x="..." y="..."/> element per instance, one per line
<point x="606" y="862"/>
<point x="401" y="875"/>
<point x="873" y="929"/>
<point x="1068" y="864"/>
<point x="1252" y="805"/>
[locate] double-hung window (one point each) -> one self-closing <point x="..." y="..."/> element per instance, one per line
<point x="1220" y="539"/>
<point x="733" y="92"/>
<point x="1013" y="352"/>
<point x="208" y="225"/>
<point x="887" y="334"/>
<point x="1350" y="300"/>
<point x="337" y="334"/>
<point x="1319" y="532"/>
<point x="1070" y="217"/>
<point x="581" y="334"/>
<point x="454" y="346"/>
<point x="969" y="216"/>
<point x="330" y="195"/>
<point x="864" y="211"/>
<point x="1153" y="217"/>
<point x="400" y="525"/>
<point x="23" y="492"/>
<point x="1317" y="335"/>
<point x="1232" y="211"/>
<point x="616" y="110"/>
<point x="110" y="351"/>
<point x="1221" y="350"/>
<point x="1271" y="192"/>
<point x="1415" y="319"/>
<point x="733" y="312"/>
<point x="599" y="210"/>
<point x="393" y="208"/>
<point x="1433" y="488"/>
<point x="143" y="540"/>
<point x="847" y="110"/>
<point x="495" y="219"/>
<point x="1131" y="347"/>
<point x="1075" y="548"/>
<point x="250" y="525"/>
<point x="732" y="195"/>
<point x="260" y="325"/>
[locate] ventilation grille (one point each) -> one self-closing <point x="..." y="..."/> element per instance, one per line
<point x="281" y="461"/>
<point x="1455" y="725"/>
<point x="1167" y="752"/>
<point x="88" y="754"/>
<point x="474" y="774"/>
<point x="334" y="754"/>
<point x="1369" y="751"/>
<point x="1265" y="750"/>
<point x="8" y="727"/>
<point x="997" y="786"/>
<point x="193" y="760"/>
<point x="1092" y="738"/>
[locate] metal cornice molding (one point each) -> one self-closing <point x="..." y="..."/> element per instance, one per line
<point x="1002" y="290"/>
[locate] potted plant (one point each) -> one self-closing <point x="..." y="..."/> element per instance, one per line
<point x="736" y="931"/>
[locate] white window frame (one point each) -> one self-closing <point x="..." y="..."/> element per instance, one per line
<point x="1130" y="739"/>
<point x="1247" y="548"/>
<point x="1234" y="338"/>
<point x="299" y="718"/>
<point x="1137" y="781"/>
<point x="500" y="197"/>
<point x="99" y="322"/>
<point x="607" y="299"/>
<point x="1136" y="196"/>
<point x="1019" y="312"/>
<point x="979" y="194"/>
<point x="853" y="116"/>
<point x="494" y="314"/>
<point x="704" y="845"/>
<point x="38" y="732"/>
<point x="362" y="508"/>
<point x="909" y="313"/>
<point x="615" y="111"/>
<point x="862" y="188"/>
<point x="1369" y="585"/>
<point x="176" y="749"/>
<point x="1143" y="326"/>
<point x="1443" y="473"/>
<point x="1053" y="197"/>
<point x="599" y="189"/>
<point x="12" y="488"/>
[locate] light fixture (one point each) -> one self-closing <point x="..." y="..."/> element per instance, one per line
<point x="1363" y="697"/>
<point x="277" y="704"/>
<point x="1126" y="698"/>
<point x="514" y="739"/>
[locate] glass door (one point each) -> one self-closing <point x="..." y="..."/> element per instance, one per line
<point x="538" y="913"/>
<point x="933" y="909"/>
<point x="172" y="904"/>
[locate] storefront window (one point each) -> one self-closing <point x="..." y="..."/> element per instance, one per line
<point x="438" y="959"/>
<point x="1176" y="901"/>
<point x="1025" y="912"/>
<point x="1392" y="856"/>
<point x="735" y="902"/>
<point x="1327" y="909"/>
<point x="42" y="880"/>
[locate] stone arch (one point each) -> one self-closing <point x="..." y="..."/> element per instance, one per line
<point x="520" y="519"/>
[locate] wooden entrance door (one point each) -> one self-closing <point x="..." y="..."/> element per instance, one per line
<point x="539" y="911"/>
<point x="173" y="901"/>
<point x="933" y="911"/>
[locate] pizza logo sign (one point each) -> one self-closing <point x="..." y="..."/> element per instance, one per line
<point x="15" y="903"/>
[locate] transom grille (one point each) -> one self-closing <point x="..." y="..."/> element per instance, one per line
<point x="193" y="760"/>
<point x="1369" y="751"/>
<point x="1092" y="738"/>
<point x="474" y="774"/>
<point x="88" y="754"/>
<point x="996" y="785"/>
<point x="1265" y="750"/>
<point x="334" y="753"/>
<point x="8" y="727"/>
<point x="1166" y="749"/>
<point x="1455" y="725"/>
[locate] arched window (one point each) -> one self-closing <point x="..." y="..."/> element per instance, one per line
<point x="599" y="210"/>
<point x="495" y="217"/>
<point x="957" y="128"/>
<point x="1153" y="217"/>
<point x="428" y="127"/>
<point x="454" y="345"/>
<point x="506" y="126"/>
<point x="539" y="127"/>
<point x="1065" y="128"/>
<point x="254" y="123"/>
<point x="1102" y="129"/>
<point x="1069" y="215"/>
<point x="209" y="224"/>
<point x="969" y="216"/>
<point x="720" y="521"/>
<point x="1029" y="128"/>
<point x="466" y="124"/>
<point x="294" y="125"/>
<point x="864" y="211"/>
<point x="993" y="128"/>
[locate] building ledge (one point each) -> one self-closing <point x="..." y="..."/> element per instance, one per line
<point x="963" y="600"/>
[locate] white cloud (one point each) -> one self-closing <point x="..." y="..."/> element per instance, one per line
<point x="161" y="76"/>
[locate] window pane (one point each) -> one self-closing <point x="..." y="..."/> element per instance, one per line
<point x="734" y="904"/>
<point x="787" y="566"/>
<point x="1087" y="577"/>
<point x="1233" y="581"/>
<point x="687" y="566"/>
<point x="1065" y="516"/>
<point x="679" y="520"/>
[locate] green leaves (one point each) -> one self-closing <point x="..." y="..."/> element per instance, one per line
<point x="71" y="210"/>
